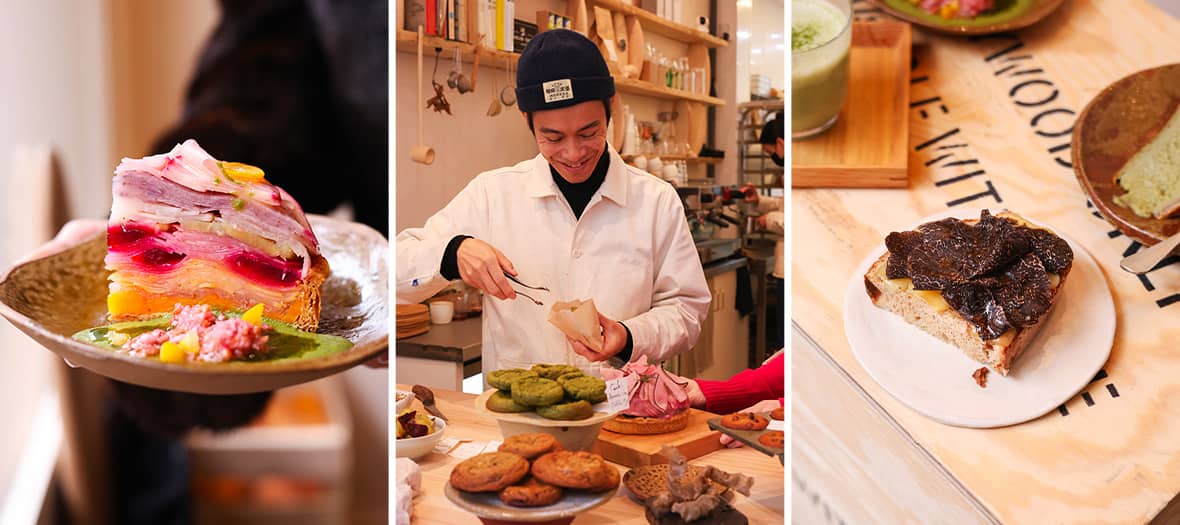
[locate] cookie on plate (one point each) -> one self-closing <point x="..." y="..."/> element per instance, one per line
<point x="530" y="445"/>
<point x="503" y="379"/>
<point x="501" y="401"/>
<point x="531" y="492"/>
<point x="774" y="438"/>
<point x="489" y="472"/>
<point x="777" y="414"/>
<point x="744" y="421"/>
<point x="537" y="392"/>
<point x="583" y="387"/>
<point x="554" y="371"/>
<point x="576" y="470"/>
<point x="571" y="411"/>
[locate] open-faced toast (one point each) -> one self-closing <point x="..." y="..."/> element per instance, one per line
<point x="983" y="285"/>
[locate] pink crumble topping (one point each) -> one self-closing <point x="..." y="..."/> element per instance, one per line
<point x="220" y="338"/>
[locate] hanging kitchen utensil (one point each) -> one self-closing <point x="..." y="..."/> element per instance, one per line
<point x="495" y="107"/>
<point x="421" y="152"/>
<point x="439" y="101"/>
<point x="453" y="77"/>
<point x="508" y="94"/>
<point x="475" y="65"/>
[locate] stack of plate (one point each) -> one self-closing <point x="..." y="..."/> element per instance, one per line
<point x="412" y="319"/>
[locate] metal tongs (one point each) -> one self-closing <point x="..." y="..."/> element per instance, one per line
<point x="518" y="292"/>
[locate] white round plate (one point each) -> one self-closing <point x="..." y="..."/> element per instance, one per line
<point x="934" y="378"/>
<point x="488" y="505"/>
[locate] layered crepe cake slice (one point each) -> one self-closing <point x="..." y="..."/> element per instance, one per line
<point x="188" y="229"/>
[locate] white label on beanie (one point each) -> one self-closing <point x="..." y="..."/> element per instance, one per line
<point x="557" y="90"/>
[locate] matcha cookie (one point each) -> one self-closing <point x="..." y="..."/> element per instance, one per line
<point x="554" y="371"/>
<point x="501" y="401"/>
<point x="536" y="392"/>
<point x="567" y="411"/>
<point x="502" y="379"/>
<point x="583" y="387"/>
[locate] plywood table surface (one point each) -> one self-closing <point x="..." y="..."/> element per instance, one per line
<point x="990" y="128"/>
<point x="764" y="505"/>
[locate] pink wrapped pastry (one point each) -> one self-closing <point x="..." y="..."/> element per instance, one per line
<point x="659" y="401"/>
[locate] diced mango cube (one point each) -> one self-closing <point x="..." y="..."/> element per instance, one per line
<point x="190" y="343"/>
<point x="171" y="353"/>
<point x="237" y="171"/>
<point x="124" y="302"/>
<point x="253" y="315"/>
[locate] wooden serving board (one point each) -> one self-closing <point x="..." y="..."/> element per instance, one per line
<point x="991" y="127"/>
<point x="867" y="148"/>
<point x="696" y="440"/>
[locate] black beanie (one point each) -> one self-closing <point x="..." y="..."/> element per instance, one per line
<point x="560" y="68"/>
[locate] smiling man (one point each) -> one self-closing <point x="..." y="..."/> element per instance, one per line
<point x="574" y="219"/>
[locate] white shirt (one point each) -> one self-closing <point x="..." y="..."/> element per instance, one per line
<point x="631" y="251"/>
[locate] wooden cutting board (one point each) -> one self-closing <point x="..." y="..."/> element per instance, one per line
<point x="868" y="146"/>
<point x="696" y="440"/>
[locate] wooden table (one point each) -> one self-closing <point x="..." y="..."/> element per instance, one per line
<point x="764" y="505"/>
<point x="990" y="127"/>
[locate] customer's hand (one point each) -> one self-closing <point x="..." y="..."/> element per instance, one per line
<point x="70" y="235"/>
<point x="614" y="338"/>
<point x="483" y="266"/>
<point x="749" y="193"/>
<point x="761" y="406"/>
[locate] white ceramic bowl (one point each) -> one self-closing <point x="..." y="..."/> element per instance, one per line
<point x="414" y="448"/>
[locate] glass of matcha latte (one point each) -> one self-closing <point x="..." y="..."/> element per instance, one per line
<point x="821" y="33"/>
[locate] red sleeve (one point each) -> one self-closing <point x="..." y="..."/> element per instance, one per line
<point x="745" y="388"/>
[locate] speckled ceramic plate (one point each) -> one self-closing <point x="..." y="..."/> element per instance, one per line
<point x="1009" y="15"/>
<point x="935" y="379"/>
<point x="1119" y="122"/>
<point x="487" y="505"/>
<point x="53" y="297"/>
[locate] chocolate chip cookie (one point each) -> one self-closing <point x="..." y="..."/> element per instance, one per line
<point x="530" y="445"/>
<point x="576" y="470"/>
<point x="774" y="438"/>
<point x="745" y="421"/>
<point x="489" y="472"/>
<point x="531" y="492"/>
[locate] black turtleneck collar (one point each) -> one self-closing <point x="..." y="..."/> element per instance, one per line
<point x="578" y="194"/>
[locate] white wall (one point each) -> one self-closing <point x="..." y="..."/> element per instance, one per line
<point x="52" y="92"/>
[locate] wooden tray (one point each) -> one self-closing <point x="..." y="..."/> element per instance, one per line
<point x="694" y="441"/>
<point x="749" y="437"/>
<point x="1119" y="122"/>
<point x="867" y="148"/>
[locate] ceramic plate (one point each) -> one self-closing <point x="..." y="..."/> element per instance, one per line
<point x="488" y="505"/>
<point x="934" y="378"/>
<point x="1009" y="15"/>
<point x="1122" y="119"/>
<point x="531" y="418"/>
<point x="53" y="297"/>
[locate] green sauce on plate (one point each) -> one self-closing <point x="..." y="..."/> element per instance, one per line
<point x="285" y="343"/>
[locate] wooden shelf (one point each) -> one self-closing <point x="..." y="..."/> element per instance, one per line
<point x="662" y="26"/>
<point x="407" y="42"/>
<point x="630" y="85"/>
<point x="675" y="158"/>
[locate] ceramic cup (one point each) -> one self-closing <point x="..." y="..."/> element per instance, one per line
<point x="441" y="312"/>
